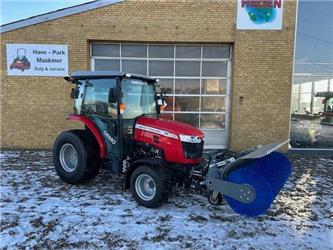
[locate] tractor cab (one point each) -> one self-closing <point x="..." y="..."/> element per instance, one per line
<point x="113" y="101"/>
<point x="100" y="94"/>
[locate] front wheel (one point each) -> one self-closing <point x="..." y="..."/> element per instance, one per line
<point x="149" y="186"/>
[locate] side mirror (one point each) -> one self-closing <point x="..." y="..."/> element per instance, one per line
<point x="74" y="93"/>
<point x="113" y="95"/>
<point x="161" y="101"/>
<point x="68" y="79"/>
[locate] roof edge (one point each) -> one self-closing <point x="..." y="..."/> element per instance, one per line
<point x="83" y="74"/>
<point x="57" y="14"/>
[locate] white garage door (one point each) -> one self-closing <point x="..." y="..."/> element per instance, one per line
<point x="195" y="77"/>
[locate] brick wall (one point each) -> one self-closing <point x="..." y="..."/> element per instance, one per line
<point x="33" y="109"/>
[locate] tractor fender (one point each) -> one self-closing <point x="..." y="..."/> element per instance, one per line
<point x="140" y="162"/>
<point x="93" y="129"/>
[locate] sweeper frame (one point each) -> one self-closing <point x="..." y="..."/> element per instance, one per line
<point x="219" y="169"/>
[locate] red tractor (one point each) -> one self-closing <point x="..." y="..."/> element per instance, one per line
<point x="124" y="133"/>
<point x="21" y="62"/>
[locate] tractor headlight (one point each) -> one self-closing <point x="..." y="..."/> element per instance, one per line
<point x="191" y="139"/>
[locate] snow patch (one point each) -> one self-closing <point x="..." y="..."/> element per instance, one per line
<point x="39" y="210"/>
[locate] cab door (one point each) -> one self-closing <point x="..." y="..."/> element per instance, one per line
<point x="96" y="106"/>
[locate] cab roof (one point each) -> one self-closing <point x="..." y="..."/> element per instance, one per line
<point x="79" y="75"/>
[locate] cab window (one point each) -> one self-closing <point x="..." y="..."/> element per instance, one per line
<point x="138" y="97"/>
<point x="96" y="98"/>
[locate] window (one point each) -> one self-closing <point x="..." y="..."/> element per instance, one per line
<point x="183" y="51"/>
<point x="161" y="51"/>
<point x="311" y="126"/>
<point x="187" y="86"/>
<point x="138" y="97"/>
<point x="96" y="98"/>
<point x="185" y="68"/>
<point x="107" y="64"/>
<point x="161" y="68"/>
<point x="133" y="50"/>
<point x="135" y="66"/>
<point x="109" y="50"/>
<point x="216" y="52"/>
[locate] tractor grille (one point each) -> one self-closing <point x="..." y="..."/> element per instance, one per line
<point x="192" y="150"/>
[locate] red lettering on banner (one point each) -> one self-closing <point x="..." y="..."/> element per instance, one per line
<point x="269" y="4"/>
<point x="277" y="3"/>
<point x="245" y="2"/>
<point x="253" y="3"/>
<point x="262" y="3"/>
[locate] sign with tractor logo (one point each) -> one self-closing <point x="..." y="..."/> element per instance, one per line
<point x="260" y="14"/>
<point x="37" y="60"/>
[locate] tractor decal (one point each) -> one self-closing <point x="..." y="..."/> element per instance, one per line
<point x="156" y="131"/>
<point x="107" y="135"/>
<point x="21" y="62"/>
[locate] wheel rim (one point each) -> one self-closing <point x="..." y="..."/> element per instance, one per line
<point x="68" y="157"/>
<point x="145" y="187"/>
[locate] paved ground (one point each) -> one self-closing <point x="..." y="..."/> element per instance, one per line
<point x="38" y="210"/>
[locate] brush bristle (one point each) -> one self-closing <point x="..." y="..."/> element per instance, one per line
<point x="267" y="176"/>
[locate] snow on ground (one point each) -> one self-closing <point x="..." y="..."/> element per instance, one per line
<point x="39" y="210"/>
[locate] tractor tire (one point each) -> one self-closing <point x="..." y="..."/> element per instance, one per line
<point x="150" y="186"/>
<point x="74" y="157"/>
<point x="92" y="148"/>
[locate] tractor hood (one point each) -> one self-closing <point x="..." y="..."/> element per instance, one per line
<point x="172" y="129"/>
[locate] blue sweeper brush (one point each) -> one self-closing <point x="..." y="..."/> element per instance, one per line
<point x="251" y="182"/>
<point x="267" y="176"/>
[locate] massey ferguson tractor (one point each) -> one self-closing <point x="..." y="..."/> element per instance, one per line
<point x="124" y="134"/>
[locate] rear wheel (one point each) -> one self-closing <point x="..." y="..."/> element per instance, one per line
<point x="149" y="186"/>
<point x="75" y="156"/>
